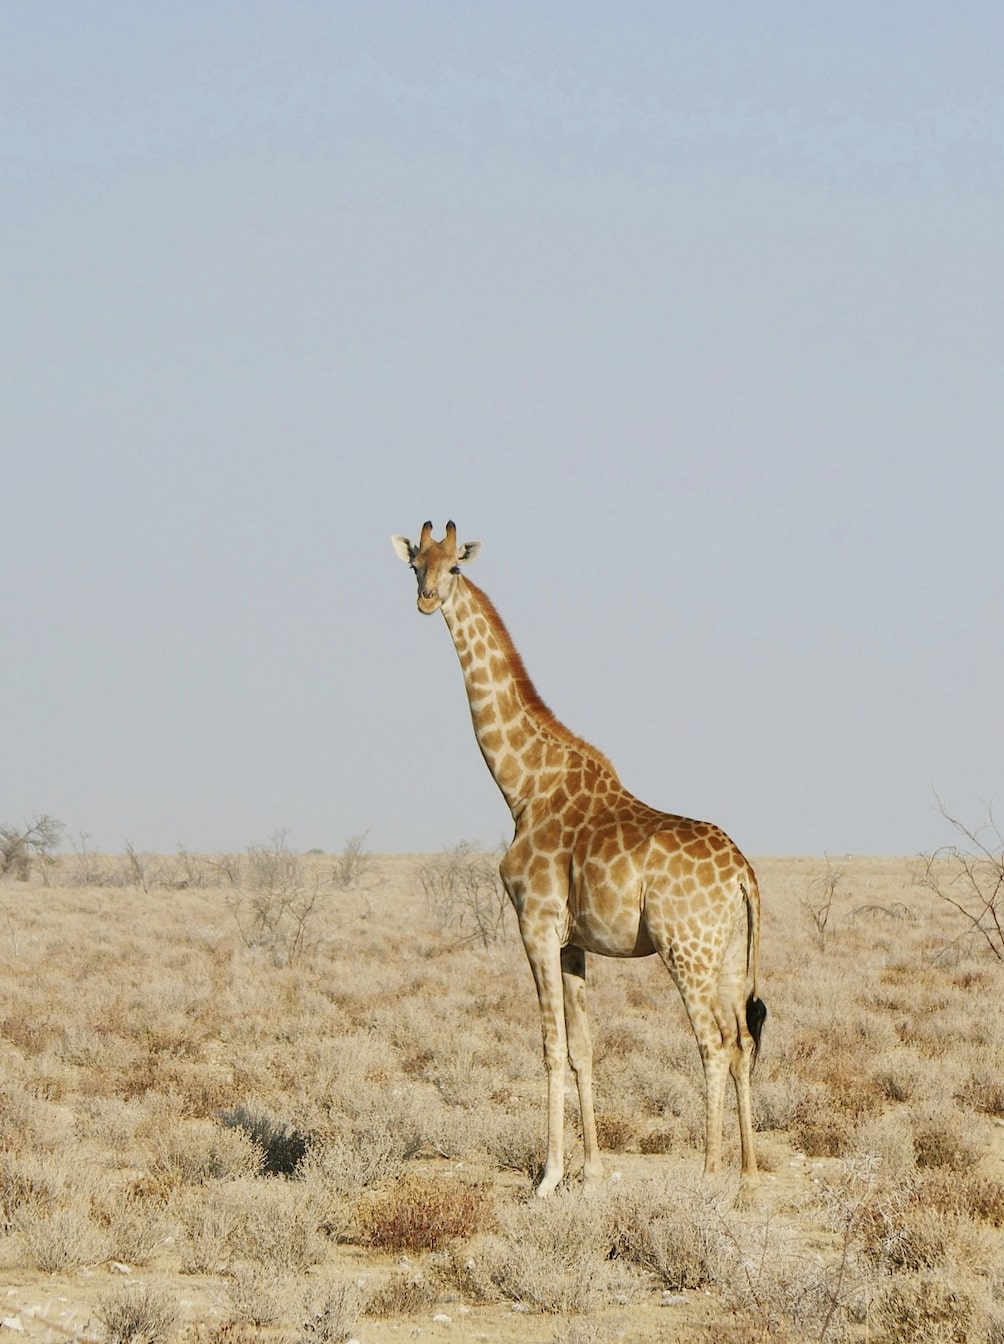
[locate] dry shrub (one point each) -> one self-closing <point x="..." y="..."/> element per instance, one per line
<point x="137" y="1314"/>
<point x="283" y="1148"/>
<point x="776" y="1097"/>
<point x="109" y="1121"/>
<point x="899" y="1074"/>
<point x="49" y="1204"/>
<point x="278" y="1224"/>
<point x="899" y="1236"/>
<point x="258" y="1294"/>
<point x="924" y="1309"/>
<point x="513" y="1140"/>
<point x="549" y="1255"/>
<point x="663" y="1138"/>
<point x="408" y="1292"/>
<point x="818" y="1128"/>
<point x="32" y="1033"/>
<point x="616" y="1132"/>
<point x="196" y="1151"/>
<point x="459" y="1078"/>
<point x="941" y="1139"/>
<point x="234" y="1332"/>
<point x="984" y="1094"/>
<point x="330" y="1312"/>
<point x="61" y="1239"/>
<point x="984" y="1198"/>
<point x="452" y="1132"/>
<point x="675" y="1232"/>
<point x="271" y="1223"/>
<point x="209" y="1226"/>
<point x="588" y="1332"/>
<point x="423" y="1214"/>
<point x="335" y="1173"/>
<point x="137" y="1228"/>
<point x="29" y="1179"/>
<point x="17" y="1109"/>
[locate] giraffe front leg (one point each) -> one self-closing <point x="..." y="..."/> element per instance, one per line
<point x="580" y="1056"/>
<point x="545" y="962"/>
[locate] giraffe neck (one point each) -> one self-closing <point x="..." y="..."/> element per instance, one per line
<point x="523" y="744"/>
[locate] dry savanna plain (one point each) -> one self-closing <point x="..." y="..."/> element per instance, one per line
<point x="300" y="1098"/>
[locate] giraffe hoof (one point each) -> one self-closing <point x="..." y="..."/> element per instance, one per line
<point x="748" y="1187"/>
<point x="547" y="1186"/>
<point x="592" y="1178"/>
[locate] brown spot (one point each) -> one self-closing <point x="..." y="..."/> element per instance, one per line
<point x="576" y="811"/>
<point x="508" y="705"/>
<point x="519" y="735"/>
<point x="621" y="871"/>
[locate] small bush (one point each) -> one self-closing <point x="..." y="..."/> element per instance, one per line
<point x="33" y="842"/>
<point x="257" y="1294"/>
<point x="938" y="1142"/>
<point x="61" y="1239"/>
<point x="330" y="1314"/>
<point x="136" y="1229"/>
<point x="549" y="1256"/>
<point x="275" y="901"/>
<point x="616" y="1132"/>
<point x="985" y="1200"/>
<point x="283" y="1149"/>
<point x="899" y="1237"/>
<point x="354" y="863"/>
<point x="676" y="1234"/>
<point x="337" y="1172"/>
<point x="406" y="1293"/>
<point x="922" y="1308"/>
<point x="137" y="1314"/>
<point x="984" y="1094"/>
<point x="463" y="890"/>
<point x="418" y="1214"/>
<point x="209" y="1225"/>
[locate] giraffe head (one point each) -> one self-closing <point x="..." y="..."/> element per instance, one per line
<point x="436" y="564"/>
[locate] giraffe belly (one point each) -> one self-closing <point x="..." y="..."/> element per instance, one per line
<point x="610" y="927"/>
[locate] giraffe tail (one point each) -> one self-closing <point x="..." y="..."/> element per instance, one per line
<point x="756" y="1009"/>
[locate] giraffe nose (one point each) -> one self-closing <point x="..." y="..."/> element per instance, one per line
<point x="428" y="593"/>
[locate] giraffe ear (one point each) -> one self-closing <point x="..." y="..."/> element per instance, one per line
<point x="467" y="551"/>
<point x="404" y="548"/>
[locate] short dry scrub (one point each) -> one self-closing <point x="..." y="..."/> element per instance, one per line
<point x="424" y="1214"/>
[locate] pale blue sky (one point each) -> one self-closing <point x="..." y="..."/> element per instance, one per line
<point x="694" y="315"/>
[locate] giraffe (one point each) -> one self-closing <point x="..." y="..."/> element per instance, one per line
<point x="593" y="869"/>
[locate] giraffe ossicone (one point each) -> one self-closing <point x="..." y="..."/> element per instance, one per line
<point x="591" y="868"/>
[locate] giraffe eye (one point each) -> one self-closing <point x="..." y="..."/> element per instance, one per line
<point x="455" y="569"/>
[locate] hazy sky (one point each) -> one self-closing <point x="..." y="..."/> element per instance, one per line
<point x="693" y="314"/>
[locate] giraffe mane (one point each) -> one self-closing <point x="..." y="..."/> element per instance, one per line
<point x="530" y="695"/>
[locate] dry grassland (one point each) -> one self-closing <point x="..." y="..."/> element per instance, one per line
<point x="303" y="1100"/>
